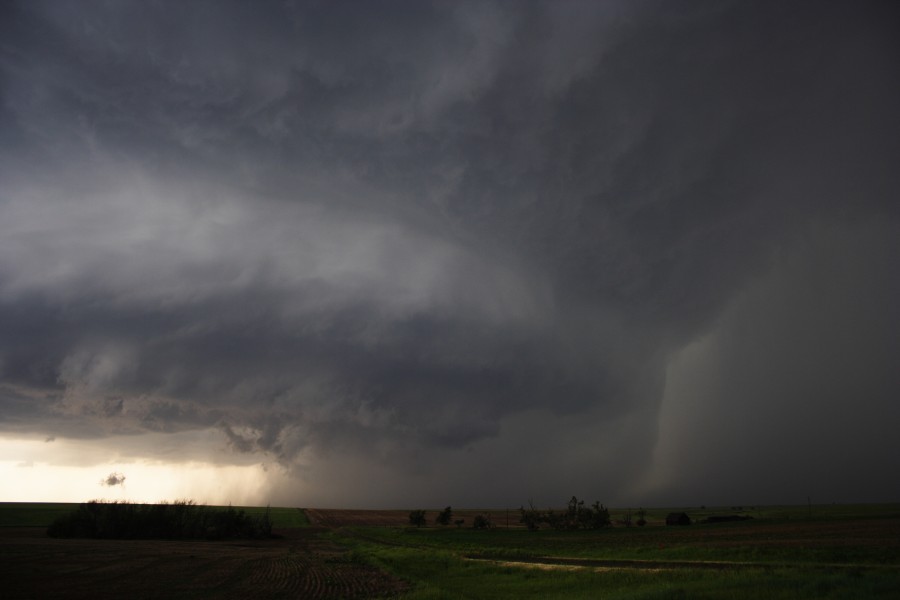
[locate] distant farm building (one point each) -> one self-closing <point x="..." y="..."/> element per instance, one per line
<point x="678" y="519"/>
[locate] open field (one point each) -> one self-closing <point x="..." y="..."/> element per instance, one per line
<point x="784" y="552"/>
<point x="32" y="514"/>
<point x="300" y="564"/>
<point x="793" y="556"/>
<point x="868" y="541"/>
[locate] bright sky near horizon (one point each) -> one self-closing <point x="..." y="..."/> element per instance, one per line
<point x="371" y="254"/>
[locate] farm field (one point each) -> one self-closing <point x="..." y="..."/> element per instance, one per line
<point x="784" y="552"/>
<point x="299" y="564"/>
<point x="845" y="552"/>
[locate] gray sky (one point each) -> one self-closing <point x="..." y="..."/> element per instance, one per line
<point x="478" y="253"/>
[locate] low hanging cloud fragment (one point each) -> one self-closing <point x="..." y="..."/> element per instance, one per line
<point x="113" y="479"/>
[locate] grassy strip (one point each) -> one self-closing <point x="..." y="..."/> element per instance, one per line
<point x="813" y="543"/>
<point x="32" y="514"/>
<point x="281" y="517"/>
<point x="443" y="574"/>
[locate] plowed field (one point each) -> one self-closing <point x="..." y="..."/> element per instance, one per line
<point x="298" y="565"/>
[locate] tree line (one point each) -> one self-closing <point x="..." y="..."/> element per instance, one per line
<point x="180" y="520"/>
<point x="575" y="516"/>
<point x="417" y="518"/>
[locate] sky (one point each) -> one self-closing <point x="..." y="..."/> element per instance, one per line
<point x="411" y="254"/>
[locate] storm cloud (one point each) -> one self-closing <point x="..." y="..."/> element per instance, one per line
<point x="477" y="253"/>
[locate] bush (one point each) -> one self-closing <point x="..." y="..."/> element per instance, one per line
<point x="444" y="517"/>
<point x="482" y="522"/>
<point x="531" y="518"/>
<point x="417" y="518"/>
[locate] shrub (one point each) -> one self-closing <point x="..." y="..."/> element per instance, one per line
<point x="530" y="518"/>
<point x="482" y="522"/>
<point x="444" y="517"/>
<point x="417" y="518"/>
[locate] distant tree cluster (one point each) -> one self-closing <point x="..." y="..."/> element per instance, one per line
<point x="641" y="518"/>
<point x="180" y="520"/>
<point x="482" y="522"/>
<point x="576" y="516"/>
<point x="417" y="518"/>
<point x="444" y="517"/>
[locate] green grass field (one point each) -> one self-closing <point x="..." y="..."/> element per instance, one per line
<point x="437" y="574"/>
<point x="32" y="514"/>
<point x="784" y="552"/>
<point x="281" y="517"/>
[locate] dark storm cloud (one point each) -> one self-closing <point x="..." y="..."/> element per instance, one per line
<point x="796" y="386"/>
<point x="398" y="230"/>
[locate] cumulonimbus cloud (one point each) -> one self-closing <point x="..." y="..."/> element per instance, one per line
<point x="408" y="232"/>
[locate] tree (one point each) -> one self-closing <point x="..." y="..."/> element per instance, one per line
<point x="576" y="516"/>
<point x="641" y="517"/>
<point x="531" y="518"/>
<point x="417" y="518"/>
<point x="599" y="516"/>
<point x="482" y="522"/>
<point x="444" y="517"/>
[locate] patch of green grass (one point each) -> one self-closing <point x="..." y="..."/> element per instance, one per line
<point x="437" y="574"/>
<point x="32" y="514"/>
<point x="851" y="542"/>
<point x="281" y="517"/>
<point x="789" y="556"/>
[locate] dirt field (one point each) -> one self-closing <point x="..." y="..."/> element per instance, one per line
<point x="299" y="565"/>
